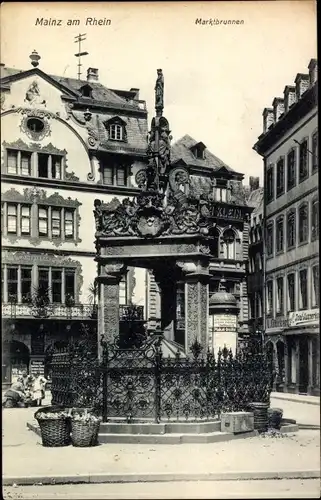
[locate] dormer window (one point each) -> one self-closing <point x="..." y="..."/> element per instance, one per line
<point x="86" y="91"/>
<point x="116" y="132"/>
<point x="198" y="150"/>
<point x="116" y="129"/>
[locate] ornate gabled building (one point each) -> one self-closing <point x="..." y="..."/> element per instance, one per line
<point x="64" y="142"/>
<point x="289" y="147"/>
<point x="211" y="177"/>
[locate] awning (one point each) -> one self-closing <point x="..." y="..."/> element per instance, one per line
<point x="299" y="330"/>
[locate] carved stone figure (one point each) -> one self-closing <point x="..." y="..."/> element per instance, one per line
<point x="159" y="90"/>
<point x="33" y="95"/>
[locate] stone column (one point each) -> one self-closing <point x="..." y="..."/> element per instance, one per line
<point x="196" y="277"/>
<point x="166" y="281"/>
<point x="108" y="302"/>
<point x="310" y="365"/>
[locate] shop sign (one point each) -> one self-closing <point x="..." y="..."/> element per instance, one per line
<point x="309" y="317"/>
<point x="37" y="366"/>
<point x="277" y="323"/>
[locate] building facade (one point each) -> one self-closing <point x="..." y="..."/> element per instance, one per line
<point x="65" y="142"/>
<point x="255" y="262"/>
<point x="289" y="147"/>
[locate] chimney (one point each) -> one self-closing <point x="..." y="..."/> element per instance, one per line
<point x="92" y="75"/>
<point x="268" y="119"/>
<point x="313" y="71"/>
<point x="136" y="93"/>
<point x="289" y="97"/>
<point x="278" y="108"/>
<point x="302" y="83"/>
<point x="254" y="183"/>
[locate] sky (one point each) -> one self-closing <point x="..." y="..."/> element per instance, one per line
<point x="218" y="78"/>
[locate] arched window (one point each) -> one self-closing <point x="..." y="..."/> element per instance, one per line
<point x="229" y="244"/>
<point x="303" y="223"/>
<point x="315" y="220"/>
<point x="214" y="242"/>
<point x="291" y="229"/>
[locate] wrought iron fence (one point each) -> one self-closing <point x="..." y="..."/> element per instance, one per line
<point x="138" y="383"/>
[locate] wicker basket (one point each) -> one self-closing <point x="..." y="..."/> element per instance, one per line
<point x="54" y="432"/>
<point x="84" y="433"/>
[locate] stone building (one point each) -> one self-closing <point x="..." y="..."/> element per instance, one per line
<point x="65" y="142"/>
<point x="289" y="147"/>
<point x="255" y="262"/>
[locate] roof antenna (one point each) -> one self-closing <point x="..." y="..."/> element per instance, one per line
<point x="78" y="39"/>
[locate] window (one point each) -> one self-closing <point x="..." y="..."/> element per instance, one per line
<point x="43" y="221"/>
<point x="270" y="239"/>
<point x="291" y="292"/>
<point x="12" y="217"/>
<point x="12" y="161"/>
<point x="43" y="278"/>
<point x="280" y="296"/>
<point x="123" y="291"/>
<point x="12" y="273"/>
<point x="56" y="223"/>
<point x="26" y="284"/>
<point x="69" y="224"/>
<point x="257" y="262"/>
<point x="280" y="177"/>
<point x="315" y="147"/>
<point x="108" y="175"/>
<point x="116" y="132"/>
<point x="291" y="229"/>
<point x="315" y="220"/>
<point x="56" y="285"/>
<point x="121" y="176"/>
<point x="35" y="125"/>
<point x="214" y="242"/>
<point x="220" y="194"/>
<point x="56" y="166"/>
<point x="25" y="166"/>
<point x="315" y="287"/>
<point x="303" y="165"/>
<point x="70" y="283"/>
<point x="269" y="298"/>
<point x="229" y="244"/>
<point x="303" y="296"/>
<point x="303" y="223"/>
<point x="25" y="219"/>
<point x="43" y="170"/>
<point x="270" y="184"/>
<point x="279" y="234"/>
<point x="291" y="170"/>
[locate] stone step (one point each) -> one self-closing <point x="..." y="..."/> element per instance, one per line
<point x="161" y="428"/>
<point x="209" y="437"/>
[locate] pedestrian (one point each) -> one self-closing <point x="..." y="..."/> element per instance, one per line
<point x="39" y="388"/>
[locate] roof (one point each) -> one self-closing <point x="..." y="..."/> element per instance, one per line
<point x="101" y="95"/>
<point x="181" y="150"/>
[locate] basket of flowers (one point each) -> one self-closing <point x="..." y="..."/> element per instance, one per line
<point x="54" y="425"/>
<point x="84" y="427"/>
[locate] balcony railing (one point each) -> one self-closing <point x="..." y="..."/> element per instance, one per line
<point x="61" y="311"/>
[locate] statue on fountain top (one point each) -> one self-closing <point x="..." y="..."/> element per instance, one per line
<point x="159" y="91"/>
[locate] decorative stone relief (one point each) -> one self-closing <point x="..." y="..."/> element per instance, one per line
<point x="33" y="95"/>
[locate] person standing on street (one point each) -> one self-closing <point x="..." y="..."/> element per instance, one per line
<point x="39" y="388"/>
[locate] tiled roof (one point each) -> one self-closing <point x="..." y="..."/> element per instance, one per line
<point x="100" y="94"/>
<point x="181" y="151"/>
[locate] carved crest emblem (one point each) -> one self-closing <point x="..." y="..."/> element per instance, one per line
<point x="33" y="96"/>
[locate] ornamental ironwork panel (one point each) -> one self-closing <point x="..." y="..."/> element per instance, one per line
<point x="135" y="382"/>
